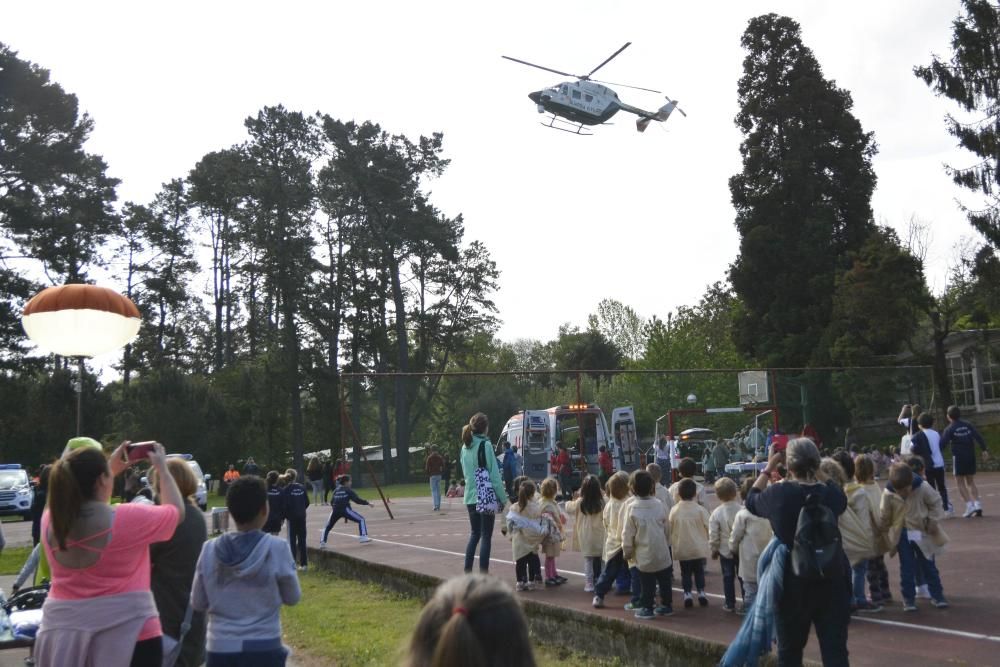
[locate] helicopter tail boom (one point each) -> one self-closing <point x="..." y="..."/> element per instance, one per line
<point x="661" y="115"/>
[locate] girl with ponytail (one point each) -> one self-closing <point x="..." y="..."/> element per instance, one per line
<point x="477" y="453"/>
<point x="99" y="609"/>
<point x="472" y="621"/>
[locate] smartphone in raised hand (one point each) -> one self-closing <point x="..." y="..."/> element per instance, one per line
<point x="139" y="451"/>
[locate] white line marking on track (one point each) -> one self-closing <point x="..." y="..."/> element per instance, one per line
<point x="877" y="621"/>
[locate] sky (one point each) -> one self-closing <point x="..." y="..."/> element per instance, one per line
<point x="642" y="218"/>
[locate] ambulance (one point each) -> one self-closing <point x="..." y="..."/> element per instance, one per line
<point x="537" y="435"/>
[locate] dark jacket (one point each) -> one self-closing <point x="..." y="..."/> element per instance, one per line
<point x="342" y="497"/>
<point x="920" y="446"/>
<point x="296" y="501"/>
<point x="172" y="565"/>
<point x="781" y="503"/>
<point x="275" y="509"/>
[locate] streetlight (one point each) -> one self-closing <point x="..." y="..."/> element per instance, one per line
<point x="80" y="321"/>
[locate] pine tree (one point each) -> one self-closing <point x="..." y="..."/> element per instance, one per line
<point x="972" y="78"/>
<point x="802" y="199"/>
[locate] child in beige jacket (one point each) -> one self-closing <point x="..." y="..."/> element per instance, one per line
<point x="687" y="468"/>
<point x="720" y="525"/>
<point x="613" y="560"/>
<point x="689" y="540"/>
<point x="662" y="493"/>
<point x="911" y="511"/>
<point x="646" y="542"/>
<point x="525" y="537"/>
<point x="588" y="527"/>
<point x="750" y="536"/>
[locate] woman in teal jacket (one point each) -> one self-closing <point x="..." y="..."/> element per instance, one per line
<point x="474" y="439"/>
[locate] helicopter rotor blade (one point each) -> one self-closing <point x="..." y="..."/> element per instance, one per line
<point x="609" y="59"/>
<point x="547" y="69"/>
<point x="676" y="107"/>
<point x="625" y="85"/>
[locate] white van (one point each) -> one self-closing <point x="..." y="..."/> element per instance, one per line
<point x="201" y="495"/>
<point x="538" y="433"/>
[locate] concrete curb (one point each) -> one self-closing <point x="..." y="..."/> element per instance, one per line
<point x="574" y="630"/>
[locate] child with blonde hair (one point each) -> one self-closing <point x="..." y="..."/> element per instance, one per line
<point x="661" y="492"/>
<point x="877" y="574"/>
<point x="689" y="540"/>
<point x="612" y="518"/>
<point x="645" y="541"/>
<point x="720" y="526"/>
<point x="588" y="528"/>
<point x="858" y="531"/>
<point x="526" y="535"/>
<point x="749" y="537"/>
<point x="552" y="544"/>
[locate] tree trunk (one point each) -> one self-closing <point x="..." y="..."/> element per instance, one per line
<point x="402" y="384"/>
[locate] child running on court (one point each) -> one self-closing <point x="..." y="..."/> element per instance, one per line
<point x="689" y="539"/>
<point x="911" y="511"/>
<point x="588" y="528"/>
<point x="748" y="539"/>
<point x="552" y="544"/>
<point x="877" y="574"/>
<point x="612" y="556"/>
<point x="720" y="526"/>
<point x="687" y="468"/>
<point x="341" y="509"/>
<point x="646" y="541"/>
<point x="524" y="530"/>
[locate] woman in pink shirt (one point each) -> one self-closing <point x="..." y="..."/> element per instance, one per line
<point x="100" y="610"/>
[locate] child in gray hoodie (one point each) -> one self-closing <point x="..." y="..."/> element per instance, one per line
<point x="241" y="581"/>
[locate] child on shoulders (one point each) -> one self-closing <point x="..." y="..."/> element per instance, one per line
<point x="689" y="523"/>
<point x="720" y="526"/>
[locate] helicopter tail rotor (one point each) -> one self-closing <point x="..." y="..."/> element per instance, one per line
<point x="664" y="112"/>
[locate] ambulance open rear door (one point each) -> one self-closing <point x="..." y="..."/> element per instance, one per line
<point x="536" y="450"/>
<point x="626" y="438"/>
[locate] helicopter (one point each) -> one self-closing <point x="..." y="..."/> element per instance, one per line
<point x="588" y="101"/>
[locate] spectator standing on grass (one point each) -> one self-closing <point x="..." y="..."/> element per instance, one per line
<point x="250" y="467"/>
<point x="296" y="503"/>
<point x="927" y="445"/>
<point x="434" y="466"/>
<point x="230" y="475"/>
<point x="173" y="563"/>
<point x="100" y="610"/>
<point x="241" y="581"/>
<point x="801" y="602"/>
<point x="963" y="436"/>
<point x="477" y="454"/>
<point x="38" y="504"/>
<point x="471" y="621"/>
<point x="314" y="473"/>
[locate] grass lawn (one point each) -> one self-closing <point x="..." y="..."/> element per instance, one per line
<point x="12" y="559"/>
<point x="343" y="622"/>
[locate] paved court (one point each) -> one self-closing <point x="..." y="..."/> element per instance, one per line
<point x="967" y="633"/>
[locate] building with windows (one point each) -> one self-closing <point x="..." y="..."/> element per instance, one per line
<point x="973" y="359"/>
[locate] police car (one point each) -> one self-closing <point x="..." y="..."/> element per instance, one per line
<point x="16" y="494"/>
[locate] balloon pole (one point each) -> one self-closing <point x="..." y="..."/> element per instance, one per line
<point x="79" y="395"/>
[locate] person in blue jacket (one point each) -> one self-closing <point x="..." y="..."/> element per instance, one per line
<point x="341" y="509"/>
<point x="963" y="436"/>
<point x="295" y="505"/>
<point x="510" y="468"/>
<point x="275" y="503"/>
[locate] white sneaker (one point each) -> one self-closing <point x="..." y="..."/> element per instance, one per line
<point x="520" y="586"/>
<point x="970" y="509"/>
<point x="923" y="592"/>
<point x="322" y="544"/>
<point x="588" y="588"/>
<point x="950" y="513"/>
<point x="364" y="539"/>
<point x="977" y="506"/>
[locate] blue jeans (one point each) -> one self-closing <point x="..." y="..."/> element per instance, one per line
<point x="436" y="491"/>
<point x="859" y="574"/>
<point x="912" y="561"/>
<point x="482" y="530"/>
<point x="611" y="569"/>
<point x="635" y="584"/>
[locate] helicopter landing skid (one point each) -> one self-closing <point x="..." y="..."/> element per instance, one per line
<point x="579" y="127"/>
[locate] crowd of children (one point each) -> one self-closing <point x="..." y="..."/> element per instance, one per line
<point x="634" y="528"/>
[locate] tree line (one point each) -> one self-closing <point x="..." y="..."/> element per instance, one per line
<point x="312" y="249"/>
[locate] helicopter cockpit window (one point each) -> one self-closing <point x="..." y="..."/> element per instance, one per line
<point x="576" y="94"/>
<point x="564" y="90"/>
<point x="589" y="98"/>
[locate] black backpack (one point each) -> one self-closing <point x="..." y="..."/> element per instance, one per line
<point x="817" y="540"/>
